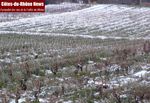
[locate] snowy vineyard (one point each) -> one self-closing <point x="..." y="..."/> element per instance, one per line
<point x="105" y="20"/>
<point x="76" y="53"/>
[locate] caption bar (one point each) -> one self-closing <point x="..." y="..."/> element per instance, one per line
<point x="22" y="5"/>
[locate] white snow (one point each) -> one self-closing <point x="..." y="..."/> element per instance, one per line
<point x="12" y="101"/>
<point x="68" y="101"/>
<point x="8" y="60"/>
<point x="114" y="67"/>
<point x="123" y="96"/>
<point x="122" y="80"/>
<point x="103" y="58"/>
<point x="22" y="100"/>
<point x="90" y="82"/>
<point x="43" y="100"/>
<point x="90" y="62"/>
<point x="141" y="73"/>
<point x="47" y="72"/>
<point x="145" y="66"/>
<point x="98" y="82"/>
<point x="60" y="79"/>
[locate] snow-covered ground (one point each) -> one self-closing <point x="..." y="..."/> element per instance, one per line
<point x="105" y="20"/>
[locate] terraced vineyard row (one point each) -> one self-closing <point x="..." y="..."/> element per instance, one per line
<point x="48" y="47"/>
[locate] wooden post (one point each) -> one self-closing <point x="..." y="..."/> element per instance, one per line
<point x="140" y="2"/>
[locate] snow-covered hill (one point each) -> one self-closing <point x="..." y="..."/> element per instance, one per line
<point x="103" y="20"/>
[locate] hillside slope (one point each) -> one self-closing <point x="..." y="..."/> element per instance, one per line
<point x="98" y="20"/>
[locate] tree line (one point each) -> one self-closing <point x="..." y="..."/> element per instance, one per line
<point x="98" y="1"/>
